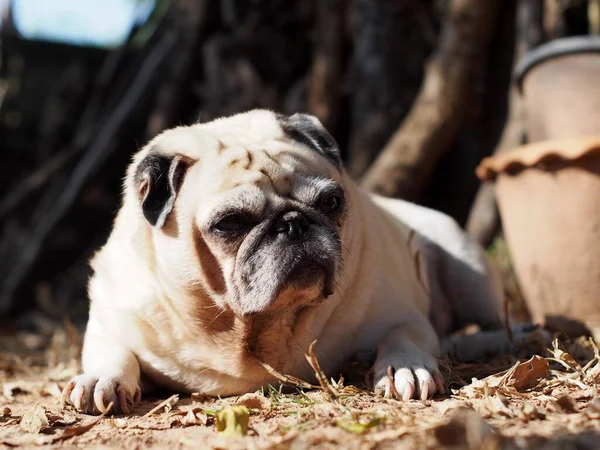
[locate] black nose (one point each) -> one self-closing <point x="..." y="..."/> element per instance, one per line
<point x="293" y="223"/>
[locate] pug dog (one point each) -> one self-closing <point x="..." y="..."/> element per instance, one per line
<point x="242" y="240"/>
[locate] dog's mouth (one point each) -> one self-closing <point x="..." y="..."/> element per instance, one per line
<point x="304" y="280"/>
<point x="308" y="273"/>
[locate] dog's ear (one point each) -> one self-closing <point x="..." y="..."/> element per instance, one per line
<point x="310" y="132"/>
<point x="158" y="179"/>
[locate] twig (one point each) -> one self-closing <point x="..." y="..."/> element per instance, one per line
<point x="170" y="401"/>
<point x="288" y="379"/>
<point x="321" y="377"/>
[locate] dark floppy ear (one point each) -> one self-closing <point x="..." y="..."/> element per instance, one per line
<point x="309" y="131"/>
<point x="158" y="179"/>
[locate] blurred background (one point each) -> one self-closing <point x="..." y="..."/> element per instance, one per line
<point x="417" y="93"/>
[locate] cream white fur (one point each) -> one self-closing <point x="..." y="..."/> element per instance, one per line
<point x="382" y="303"/>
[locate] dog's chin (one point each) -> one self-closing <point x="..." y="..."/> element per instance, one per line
<point x="308" y="283"/>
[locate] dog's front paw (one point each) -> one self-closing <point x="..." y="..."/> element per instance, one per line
<point x="93" y="395"/>
<point x="406" y="376"/>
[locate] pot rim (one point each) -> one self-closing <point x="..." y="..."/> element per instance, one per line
<point x="554" y="49"/>
<point x="533" y="154"/>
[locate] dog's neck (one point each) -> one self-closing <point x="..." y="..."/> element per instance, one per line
<point x="279" y="338"/>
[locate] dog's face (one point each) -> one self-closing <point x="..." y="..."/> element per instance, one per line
<point x="249" y="209"/>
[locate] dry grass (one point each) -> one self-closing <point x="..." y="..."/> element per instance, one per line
<point x="518" y="401"/>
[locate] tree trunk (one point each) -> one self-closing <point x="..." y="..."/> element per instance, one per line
<point x="443" y="106"/>
<point x="325" y="77"/>
<point x="387" y="71"/>
<point x="453" y="184"/>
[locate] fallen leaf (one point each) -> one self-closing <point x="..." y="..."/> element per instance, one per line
<point x="497" y="406"/>
<point x="195" y="416"/>
<point x="166" y="404"/>
<point x="233" y="421"/>
<point x="565" y="359"/>
<point x="595" y="404"/>
<point x="466" y="429"/>
<point x="360" y="427"/>
<point x="117" y="423"/>
<point x="60" y="421"/>
<point x="254" y="401"/>
<point x="75" y="430"/>
<point x="16" y="387"/>
<point x="567" y="404"/>
<point x="34" y="420"/>
<point x="51" y="390"/>
<point x="527" y="412"/>
<point x="199" y="397"/>
<point x="528" y="374"/>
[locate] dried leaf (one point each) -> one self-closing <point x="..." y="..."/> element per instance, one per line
<point x="51" y="390"/>
<point x="199" y="397"/>
<point x="76" y="430"/>
<point x="497" y="406"/>
<point x="34" y="421"/>
<point x="16" y="387"/>
<point x="565" y="359"/>
<point x="195" y="416"/>
<point x="566" y="404"/>
<point x="466" y="429"/>
<point x="117" y="423"/>
<point x="528" y="375"/>
<point x="527" y="412"/>
<point x="233" y="421"/>
<point x="166" y="404"/>
<point x="595" y="405"/>
<point x="60" y="421"/>
<point x="360" y="427"/>
<point x="254" y="401"/>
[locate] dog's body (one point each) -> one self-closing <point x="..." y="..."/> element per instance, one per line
<point x="197" y="298"/>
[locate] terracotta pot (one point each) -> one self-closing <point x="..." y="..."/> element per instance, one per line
<point x="549" y="199"/>
<point x="560" y="87"/>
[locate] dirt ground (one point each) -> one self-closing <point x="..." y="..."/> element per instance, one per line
<point x="517" y="401"/>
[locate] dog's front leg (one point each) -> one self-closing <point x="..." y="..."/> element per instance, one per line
<point x="406" y="364"/>
<point x="111" y="373"/>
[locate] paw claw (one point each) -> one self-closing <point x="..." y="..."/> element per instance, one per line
<point x="125" y="400"/>
<point x="439" y="382"/>
<point x="416" y="377"/>
<point x="99" y="401"/>
<point x="67" y="392"/>
<point x="424" y="390"/>
<point x="93" y="395"/>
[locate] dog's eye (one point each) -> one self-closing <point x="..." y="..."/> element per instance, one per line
<point x="331" y="203"/>
<point x="232" y="223"/>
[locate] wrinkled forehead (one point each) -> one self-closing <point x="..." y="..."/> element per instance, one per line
<point x="268" y="172"/>
<point x="244" y="158"/>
